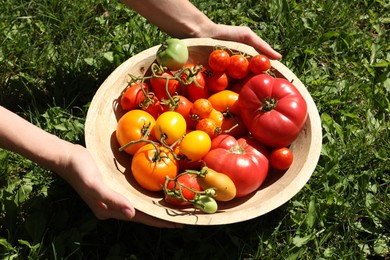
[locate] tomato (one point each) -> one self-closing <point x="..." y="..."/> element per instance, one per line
<point x="225" y="101"/>
<point x="238" y="67"/>
<point x="259" y="64"/>
<point x="152" y="106"/>
<point x="273" y="110"/>
<point x="281" y="158"/>
<point x="233" y="125"/>
<point x="209" y="126"/>
<point x="202" y="108"/>
<point x="195" y="145"/>
<point x="217" y="116"/>
<point x="224" y="187"/>
<point x="244" y="160"/>
<point x="150" y="167"/>
<point x="181" y="190"/>
<point x="133" y="96"/>
<point x="196" y="87"/>
<point x="236" y="85"/>
<point x="184" y="107"/>
<point x="219" y="60"/>
<point x="163" y="83"/>
<point x="206" y="204"/>
<point x="133" y="126"/>
<point x="173" y="54"/>
<point x="170" y="127"/>
<point x="216" y="80"/>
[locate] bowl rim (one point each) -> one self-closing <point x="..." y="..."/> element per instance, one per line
<point x="158" y="210"/>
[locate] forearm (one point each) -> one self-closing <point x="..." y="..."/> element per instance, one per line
<point x="26" y="139"/>
<point x="178" y="18"/>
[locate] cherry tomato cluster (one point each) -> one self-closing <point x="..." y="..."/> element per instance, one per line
<point x="186" y="132"/>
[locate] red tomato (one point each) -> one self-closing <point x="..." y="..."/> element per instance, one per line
<point x="244" y="160"/>
<point x="216" y="80"/>
<point x="273" y="110"/>
<point x="152" y="106"/>
<point x="198" y="89"/>
<point x="238" y="67"/>
<point x="181" y="189"/>
<point x="160" y="88"/>
<point x="259" y="64"/>
<point x="219" y="60"/>
<point x="233" y="125"/>
<point x="281" y="159"/>
<point x="133" y="96"/>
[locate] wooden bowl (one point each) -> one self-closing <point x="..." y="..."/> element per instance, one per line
<point x="104" y="112"/>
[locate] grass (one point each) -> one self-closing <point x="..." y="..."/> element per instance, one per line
<point x="55" y="54"/>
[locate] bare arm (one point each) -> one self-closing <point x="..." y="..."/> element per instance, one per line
<point x="180" y="18"/>
<point x="73" y="163"/>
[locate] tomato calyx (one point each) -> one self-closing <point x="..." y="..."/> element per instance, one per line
<point x="268" y="104"/>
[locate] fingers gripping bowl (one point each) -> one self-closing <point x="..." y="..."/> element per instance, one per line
<point x="278" y="188"/>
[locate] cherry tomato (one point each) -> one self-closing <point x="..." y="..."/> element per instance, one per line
<point x="219" y="60"/>
<point x="216" y="80"/>
<point x="181" y="190"/>
<point x="150" y="167"/>
<point x="133" y="96"/>
<point x="197" y="88"/>
<point x="202" y="108"/>
<point x="281" y="159"/>
<point x="160" y="87"/>
<point x="208" y="126"/>
<point x="195" y="145"/>
<point x="259" y="64"/>
<point x="225" y="101"/>
<point x="217" y="116"/>
<point x="170" y="127"/>
<point x="224" y="187"/>
<point x="133" y="126"/>
<point x="238" y="67"/>
<point x="152" y="106"/>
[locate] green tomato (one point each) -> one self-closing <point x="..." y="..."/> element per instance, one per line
<point x="206" y="204"/>
<point x="173" y="54"/>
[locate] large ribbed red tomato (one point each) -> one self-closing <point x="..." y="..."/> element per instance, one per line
<point x="273" y="110"/>
<point x="244" y="160"/>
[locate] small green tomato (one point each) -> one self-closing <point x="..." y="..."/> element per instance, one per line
<point x="206" y="204"/>
<point x="173" y="54"/>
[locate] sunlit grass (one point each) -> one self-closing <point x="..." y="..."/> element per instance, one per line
<point x="55" y="54"/>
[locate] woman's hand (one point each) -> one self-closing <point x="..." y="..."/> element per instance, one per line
<point x="181" y="19"/>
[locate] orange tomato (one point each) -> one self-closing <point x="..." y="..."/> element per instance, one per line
<point x="223" y="185"/>
<point x="225" y="101"/>
<point x="150" y="166"/>
<point x="133" y="126"/>
<point x="217" y="116"/>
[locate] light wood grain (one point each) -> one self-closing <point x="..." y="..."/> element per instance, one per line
<point x="104" y="113"/>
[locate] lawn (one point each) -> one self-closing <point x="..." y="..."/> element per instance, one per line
<point x="55" y="54"/>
